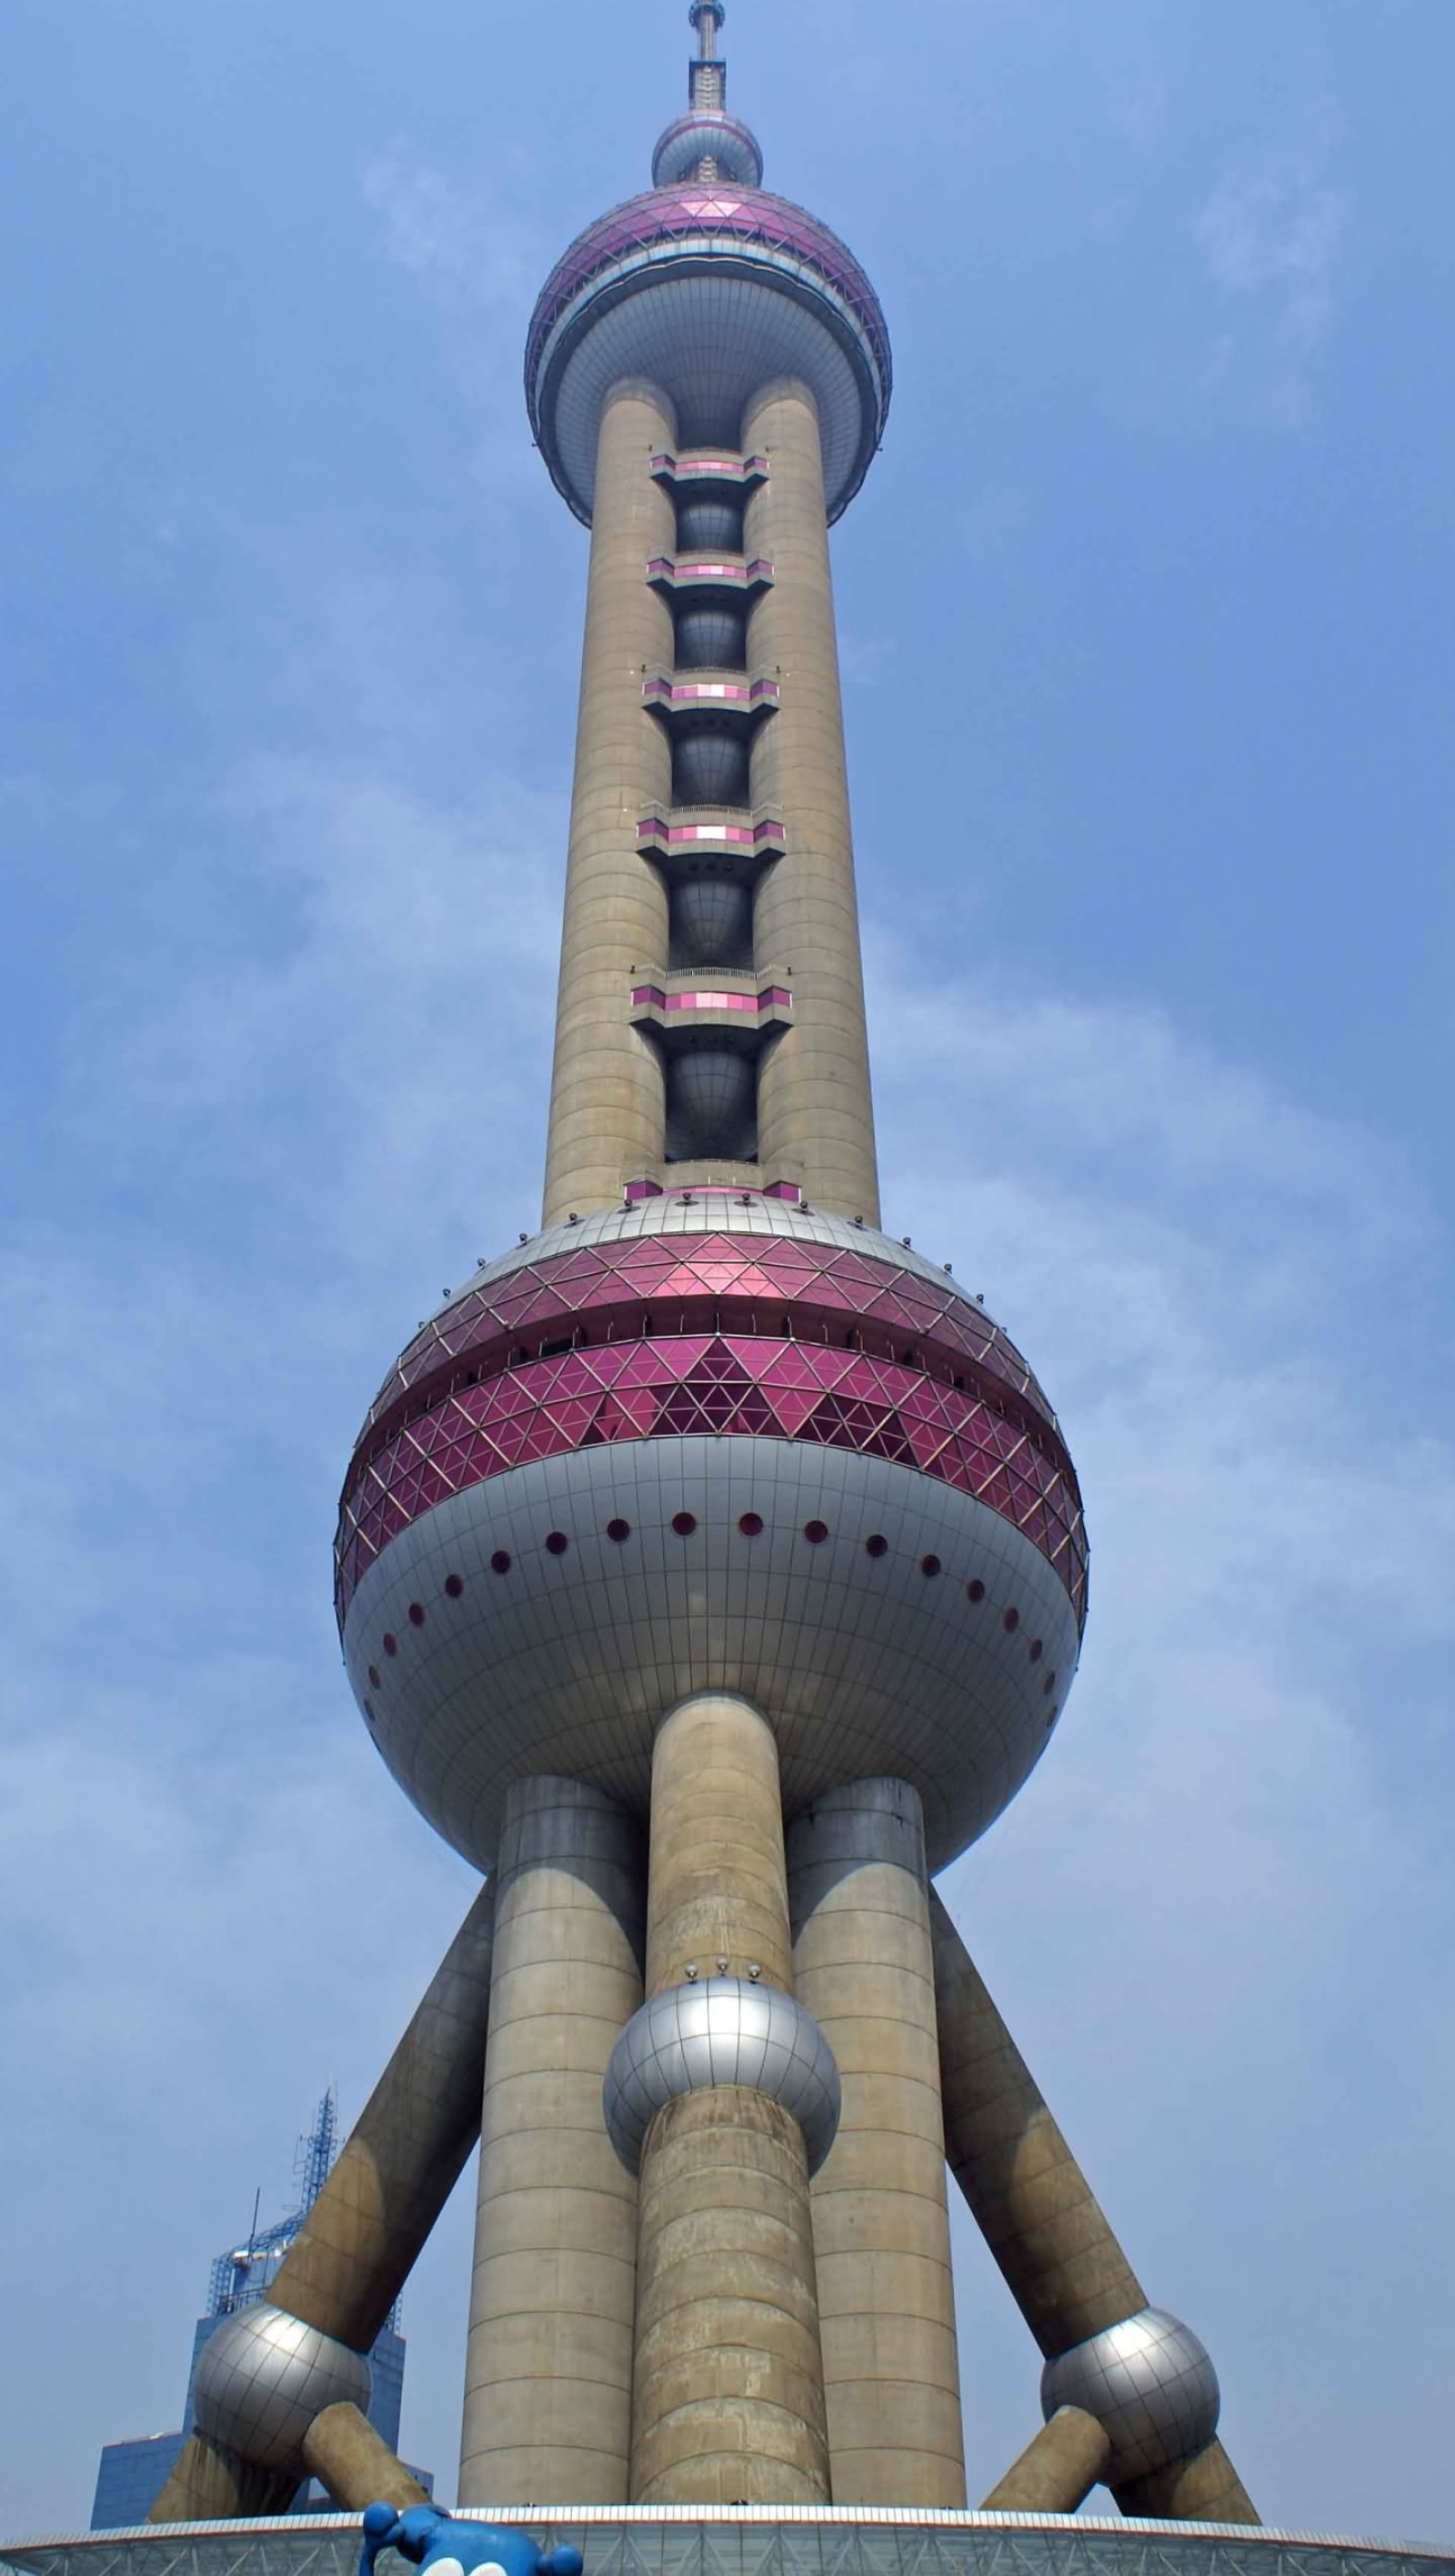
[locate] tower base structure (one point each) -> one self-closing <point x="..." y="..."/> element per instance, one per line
<point x="723" y="2540"/>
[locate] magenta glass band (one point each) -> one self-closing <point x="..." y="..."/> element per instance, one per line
<point x="651" y="996"/>
<point x="712" y="469"/>
<point x="717" y="1385"/>
<point x="817" y="1287"/>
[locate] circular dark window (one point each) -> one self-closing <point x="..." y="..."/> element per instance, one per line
<point x="391" y="1645"/>
<point x="684" y="1523"/>
<point x="1012" y="1621"/>
<point x="619" y="1532"/>
<point x="557" y="1543"/>
<point x="416" y="1614"/>
<point x="876" y="1546"/>
<point x="454" y="1585"/>
<point x="751" y="1525"/>
<point x="815" y="1532"/>
<point x="975" y="1591"/>
<point x="375" y="1676"/>
<point x="500" y="1562"/>
<point x="929" y="1565"/>
<point x="1036" y="1650"/>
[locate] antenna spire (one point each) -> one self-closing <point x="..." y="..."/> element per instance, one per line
<point x="708" y="78"/>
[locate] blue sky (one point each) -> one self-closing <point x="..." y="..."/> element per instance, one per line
<point x="1145" y="621"/>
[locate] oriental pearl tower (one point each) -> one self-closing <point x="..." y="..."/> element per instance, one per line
<point x="710" y="1570"/>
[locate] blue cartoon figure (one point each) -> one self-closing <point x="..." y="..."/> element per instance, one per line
<point x="431" y="2538"/>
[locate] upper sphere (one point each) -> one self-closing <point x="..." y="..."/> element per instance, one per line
<point x="703" y="130"/>
<point x="711" y="292"/>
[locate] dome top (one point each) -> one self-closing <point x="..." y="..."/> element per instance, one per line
<point x="629" y="298"/>
<point x="710" y="1240"/>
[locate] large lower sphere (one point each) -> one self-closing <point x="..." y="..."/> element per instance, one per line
<point x="714" y="1517"/>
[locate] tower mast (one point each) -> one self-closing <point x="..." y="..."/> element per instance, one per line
<point x="710" y="1021"/>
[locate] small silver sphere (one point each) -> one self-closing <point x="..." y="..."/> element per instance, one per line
<point x="262" y="2379"/>
<point x="702" y="132"/>
<point x="723" y="2030"/>
<point x="1150" y="2385"/>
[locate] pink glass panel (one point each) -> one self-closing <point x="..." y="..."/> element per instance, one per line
<point x="706" y="1384"/>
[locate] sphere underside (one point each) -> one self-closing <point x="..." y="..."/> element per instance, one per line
<point x="563" y="1607"/>
<point x="710" y="293"/>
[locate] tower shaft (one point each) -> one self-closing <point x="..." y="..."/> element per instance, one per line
<point x="815" y="1112"/>
<point x="717" y="1040"/>
<point x="607" y="1090"/>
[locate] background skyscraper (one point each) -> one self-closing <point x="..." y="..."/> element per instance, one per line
<point x="131" y="2474"/>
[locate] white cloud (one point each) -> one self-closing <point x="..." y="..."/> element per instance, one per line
<point x="392" y="994"/>
<point x="863" y="657"/>
<point x="469" y="250"/>
<point x="466" y="244"/>
<point x="1223" y="1902"/>
<point x="1271" y="235"/>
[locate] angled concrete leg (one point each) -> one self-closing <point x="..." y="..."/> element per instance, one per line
<point x="1067" y="2272"/>
<point x="352" y="2255"/>
<point x="1057" y="2471"/>
<point x="342" y="2450"/>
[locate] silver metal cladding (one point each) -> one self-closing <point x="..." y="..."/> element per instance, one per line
<point x="721" y="2030"/>
<point x="262" y="2379"/>
<point x="710" y="291"/>
<point x="562" y="1661"/>
<point x="1151" y="2386"/>
<point x="540" y="1620"/>
<point x="708" y="132"/>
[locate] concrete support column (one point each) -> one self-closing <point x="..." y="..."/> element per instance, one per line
<point x="1207" y="2489"/>
<point x="718" y="1887"/>
<point x="728" y="2403"/>
<point x="1039" y="2216"/>
<point x="548" y="2372"/>
<point x="358" y="2244"/>
<point x="608" y="1118"/>
<point x="815" y="1114"/>
<point x="863" y="1966"/>
<point x="1057" y="2471"/>
<point x="355" y="2464"/>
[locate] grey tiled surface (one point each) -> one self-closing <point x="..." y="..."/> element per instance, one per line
<point x="732" y="144"/>
<point x="1151" y="2386"/>
<point x="264" y="2376"/>
<point x="711" y="340"/>
<point x="567" y="1663"/>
